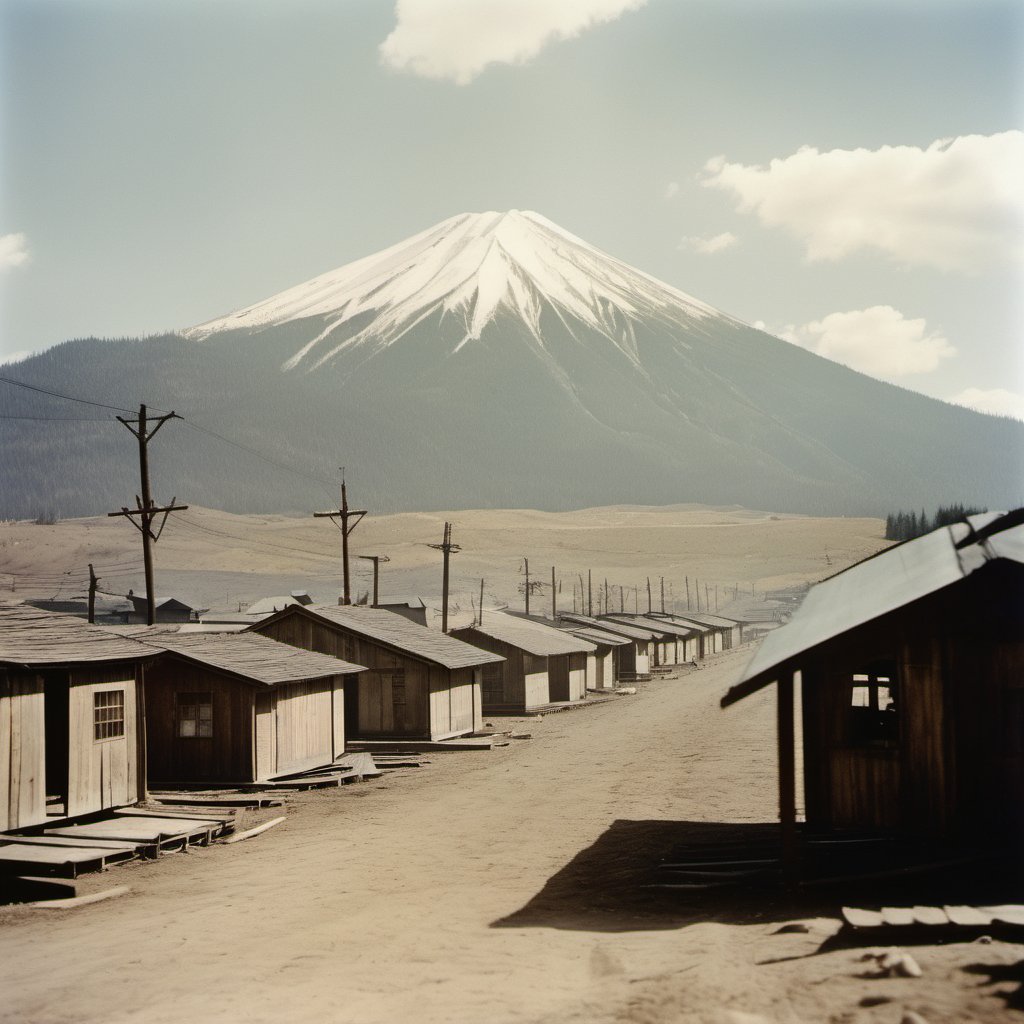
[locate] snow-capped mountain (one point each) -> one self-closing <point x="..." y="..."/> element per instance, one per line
<point x="498" y="360"/>
<point x="467" y="269"/>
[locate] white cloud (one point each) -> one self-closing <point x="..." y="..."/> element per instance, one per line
<point x="457" y="39"/>
<point x="997" y="401"/>
<point x="957" y="205"/>
<point x="672" y="190"/>
<point x="13" y="250"/>
<point x="716" y="243"/>
<point x="878" y="341"/>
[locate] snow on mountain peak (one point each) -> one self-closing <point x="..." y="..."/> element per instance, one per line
<point x="470" y="267"/>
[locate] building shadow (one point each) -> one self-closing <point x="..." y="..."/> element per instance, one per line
<point x="630" y="880"/>
<point x="1011" y="975"/>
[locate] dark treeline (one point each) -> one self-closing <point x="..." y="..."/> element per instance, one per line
<point x="907" y="525"/>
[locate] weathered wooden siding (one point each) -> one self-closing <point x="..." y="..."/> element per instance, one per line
<point x="455" y="701"/>
<point x="102" y="773"/>
<point x="227" y="755"/>
<point x="577" y="676"/>
<point x="524" y="677"/>
<point x="305" y="725"/>
<point x="22" y="750"/>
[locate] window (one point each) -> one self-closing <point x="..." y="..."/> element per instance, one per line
<point x="874" y="721"/>
<point x="107" y="714"/>
<point x="194" y="714"/>
<point x="398" y="689"/>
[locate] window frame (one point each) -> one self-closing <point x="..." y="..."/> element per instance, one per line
<point x="196" y="701"/>
<point x="108" y="718"/>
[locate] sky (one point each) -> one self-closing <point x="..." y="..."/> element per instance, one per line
<point x="846" y="174"/>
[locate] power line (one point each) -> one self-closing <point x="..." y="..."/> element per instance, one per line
<point x="57" y="394"/>
<point x="60" y="419"/>
<point x="181" y="520"/>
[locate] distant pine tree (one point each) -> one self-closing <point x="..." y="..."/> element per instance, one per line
<point x="900" y="525"/>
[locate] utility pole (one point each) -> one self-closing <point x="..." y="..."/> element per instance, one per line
<point x="447" y="547"/>
<point x="607" y="606"/>
<point x="707" y="600"/>
<point x="144" y="507"/>
<point x="590" y="595"/>
<point x="92" y="593"/>
<point x="526" y="570"/>
<point x="649" y="609"/>
<point x="344" y="514"/>
<point x="481" y="622"/>
<point x="662" y="595"/>
<point x="622" y="600"/>
<point x="687" y="593"/>
<point x="554" y="597"/>
<point x="376" y="559"/>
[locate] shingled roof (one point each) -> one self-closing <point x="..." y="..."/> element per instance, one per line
<point x="537" y="638"/>
<point x="666" y="627"/>
<point x="250" y="656"/>
<point x="30" y="636"/>
<point x="395" y="631"/>
<point x="610" y="626"/>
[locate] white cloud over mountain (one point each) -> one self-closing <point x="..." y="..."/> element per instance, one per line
<point x="957" y="205"/>
<point x="712" y="244"/>
<point x="458" y="39"/>
<point x="879" y="341"/>
<point x="13" y="250"/>
<point x="997" y="401"/>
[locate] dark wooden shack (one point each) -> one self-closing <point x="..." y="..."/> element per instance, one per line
<point x="540" y="664"/>
<point x="910" y="666"/>
<point x="169" y="609"/>
<point x="241" y="708"/>
<point x="419" y="684"/>
<point x="70" y="736"/>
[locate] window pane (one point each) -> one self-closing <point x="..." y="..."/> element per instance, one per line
<point x="861" y="697"/>
<point x="187" y="727"/>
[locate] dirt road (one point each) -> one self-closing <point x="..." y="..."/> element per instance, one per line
<point x="497" y="887"/>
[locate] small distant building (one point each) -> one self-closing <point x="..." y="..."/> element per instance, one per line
<point x="710" y="639"/>
<point x="603" y="664"/>
<point x="634" y="659"/>
<point x="910" y="667"/>
<point x="240" y="708"/>
<point x="677" y="644"/>
<point x="70" y="736"/>
<point x="730" y="629"/>
<point x="540" y="665"/>
<point x="419" y="683"/>
<point x="412" y="608"/>
<point x="170" y="609"/>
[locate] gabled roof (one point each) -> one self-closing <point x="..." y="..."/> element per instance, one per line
<point x="392" y="630"/>
<point x="693" y="623"/>
<point x="269" y="605"/>
<point x="884" y="583"/>
<point x="667" y="627"/>
<point x="30" y="636"/>
<point x="610" y="626"/>
<point x="139" y="600"/>
<point x="538" y="638"/>
<point x="252" y="657"/>
<point x="707" y="619"/>
<point x="401" y="599"/>
<point x="595" y="636"/>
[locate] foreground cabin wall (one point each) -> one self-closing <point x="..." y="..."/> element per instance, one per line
<point x="22" y="749"/>
<point x="102" y="773"/>
<point x="305" y="723"/>
<point x="957" y="766"/>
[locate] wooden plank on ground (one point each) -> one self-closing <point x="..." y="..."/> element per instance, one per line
<point x="930" y="916"/>
<point x="968" y="916"/>
<point x="23" y="858"/>
<point x="103" y="845"/>
<point x="898" y="916"/>
<point x="862" y="918"/>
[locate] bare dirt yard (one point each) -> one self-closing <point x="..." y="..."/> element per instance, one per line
<point x="502" y="886"/>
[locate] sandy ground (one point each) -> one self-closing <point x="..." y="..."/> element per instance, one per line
<point x="215" y="559"/>
<point x="499" y="887"/>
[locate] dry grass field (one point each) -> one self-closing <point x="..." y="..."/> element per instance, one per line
<point x="220" y="560"/>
